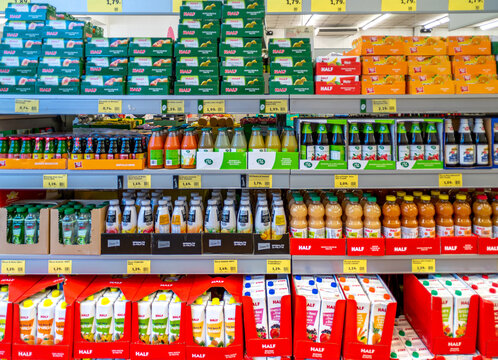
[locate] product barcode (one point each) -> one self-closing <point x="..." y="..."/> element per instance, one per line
<point x="233" y="269"/>
<point x="154" y="162"/>
<point x="169" y="162"/>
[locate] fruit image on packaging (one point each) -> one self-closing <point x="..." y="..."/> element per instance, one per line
<point x="461" y="311"/>
<point x="119" y="318"/>
<point x="174" y="319"/>
<point x="87" y="318"/>
<point x="60" y="319"/>
<point x="159" y="318"/>
<point x="377" y="318"/>
<point x="103" y="320"/>
<point x="215" y="323"/>
<point x="45" y="322"/>
<point x="27" y="319"/>
<point x="3" y="317"/>
<point x="258" y="297"/>
<point x="230" y="311"/>
<point x="363" y="316"/>
<point x="144" y="318"/>
<point x="198" y="321"/>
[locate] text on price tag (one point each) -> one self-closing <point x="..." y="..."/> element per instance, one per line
<point x="399" y="5"/>
<point x="139" y="181"/>
<point x="284" y="6"/>
<point x="278" y="266"/>
<point x="176" y="6"/>
<point x="384" y="106"/>
<point x="27" y="106"/>
<point x="423" y="265"/>
<point x="211" y="106"/>
<point x="4" y="3"/>
<point x="104" y="6"/>
<point x="15" y="267"/>
<point x="450" y="180"/>
<point x="260" y="181"/>
<point x="60" y="266"/>
<point x="173" y="107"/>
<point x="110" y="106"/>
<point x="225" y="267"/>
<point x="465" y="5"/>
<point x="354" y="266"/>
<point x="189" y="182"/>
<point x="346" y="181"/>
<point x="328" y="5"/>
<point x="138" y="267"/>
<point x="56" y="181"/>
<point x="274" y="106"/>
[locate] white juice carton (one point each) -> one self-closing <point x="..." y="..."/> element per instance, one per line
<point x="304" y="281"/>
<point x="215" y="323"/>
<point x="45" y="328"/>
<point x="230" y="314"/>
<point x="174" y="319"/>
<point x="119" y="317"/>
<point x="325" y="281"/>
<point x="377" y="318"/>
<point x="159" y="319"/>
<point x="274" y="310"/>
<point x="400" y="353"/>
<point x="144" y="318"/>
<point x="327" y="310"/>
<point x="447" y="310"/>
<point x="362" y="316"/>
<point x="313" y="307"/>
<point x="87" y="318"/>
<point x="103" y="319"/>
<point x="4" y="305"/>
<point x="260" y="311"/>
<point x="461" y="310"/>
<point x="198" y="309"/>
<point x="27" y="319"/>
<point x="60" y="320"/>
<point x="55" y="295"/>
<point x="277" y="283"/>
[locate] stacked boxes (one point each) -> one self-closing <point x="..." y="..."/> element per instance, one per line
<point x="338" y="75"/>
<point x="406" y="344"/>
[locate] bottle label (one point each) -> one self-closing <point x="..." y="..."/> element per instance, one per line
<point x="451" y="154"/>
<point x="164" y="219"/>
<point x="76" y="156"/>
<point x="495" y="154"/>
<point x="30" y="232"/>
<point x="92" y="156"/>
<point x="403" y="152"/>
<point x="204" y="150"/>
<point x="372" y="233"/>
<point x="391" y="233"/>
<point x="467" y="154"/>
<point x="172" y="157"/>
<point x="316" y="233"/>
<point x="257" y="150"/>
<point x="307" y="152"/>
<point x="463" y="230"/>
<point x="188" y="157"/>
<point x="483" y="231"/>
<point x="237" y="150"/>
<point x="222" y="150"/>
<point x="495" y="231"/>
<point x="156" y="157"/>
<point x="354" y="152"/>
<point x="337" y="152"/>
<point x="409" y="233"/>
<point x="426" y="232"/>
<point x="443" y="231"/>
<point x="369" y="152"/>
<point x="431" y="152"/>
<point x="333" y="233"/>
<point x="322" y="152"/>
<point x="482" y="154"/>
<point x="384" y="152"/>
<point x="416" y="152"/>
<point x="299" y="233"/>
<point x="354" y="233"/>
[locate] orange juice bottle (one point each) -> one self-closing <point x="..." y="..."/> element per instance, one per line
<point x="172" y="150"/>
<point x="333" y="222"/>
<point x="426" y="223"/>
<point x="434" y="196"/>
<point x="298" y="223"/>
<point x="463" y="224"/>
<point x="372" y="226"/>
<point x="155" y="159"/>
<point x="316" y="225"/>
<point x="354" y="224"/>
<point x="409" y="223"/>
<point x="482" y="217"/>
<point x="188" y="149"/>
<point x="416" y="196"/>
<point x="391" y="224"/>
<point x="444" y="220"/>
<point x="400" y="196"/>
<point x="495" y="216"/>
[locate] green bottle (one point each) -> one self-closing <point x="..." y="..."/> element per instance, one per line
<point x="18" y="226"/>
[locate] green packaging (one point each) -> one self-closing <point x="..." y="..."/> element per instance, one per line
<point x="289" y="47"/>
<point x="57" y="85"/>
<point x="273" y="160"/>
<point x="63" y="48"/>
<point x="107" y="47"/>
<point x="148" y="85"/>
<point x="162" y="47"/>
<point x="205" y="10"/>
<point x="239" y="27"/>
<point x="244" y="10"/>
<point x="23" y="29"/>
<point x="17" y="85"/>
<point x="102" y="85"/>
<point x="29" y="12"/>
<point x="21" y="47"/>
<point x="150" y="66"/>
<point x="196" y="47"/>
<point x="197" y="85"/>
<point x="291" y="85"/>
<point x="292" y="66"/>
<point x="200" y="66"/>
<point x="241" y="66"/>
<point x="199" y="28"/>
<point x="114" y="66"/>
<point x="238" y="46"/>
<point x="51" y="65"/>
<point x="243" y="85"/>
<point x="222" y="160"/>
<point x="323" y="164"/>
<point x="67" y="29"/>
<point x="18" y="66"/>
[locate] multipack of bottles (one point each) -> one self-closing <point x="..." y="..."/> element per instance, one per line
<point x="419" y="142"/>
<point x="75" y="222"/>
<point x="23" y="222"/>
<point x="322" y="142"/>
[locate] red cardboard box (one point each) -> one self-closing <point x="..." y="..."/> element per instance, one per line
<point x="487" y="246"/>
<point x="459" y="244"/>
<point x="115" y="349"/>
<point x="423" y="311"/>
<point x="421" y="246"/>
<point x="333" y="247"/>
<point x="337" y="85"/>
<point x="73" y="286"/>
<point x="176" y="350"/>
<point x="366" y="246"/>
<point x="487" y="336"/>
<point x="338" y="65"/>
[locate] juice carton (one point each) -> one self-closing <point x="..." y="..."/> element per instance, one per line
<point x="55" y="295"/>
<point x="338" y="85"/>
<point x="199" y="321"/>
<point x="304" y="281"/>
<point x="461" y="310"/>
<point x="112" y="293"/>
<point x="383" y="85"/>
<point x="469" y="45"/>
<point x="439" y="64"/>
<point x="144" y="318"/>
<point x="27" y="318"/>
<point x="383" y="65"/>
<point x="4" y="304"/>
<point x="474" y="65"/>
<point x="119" y="317"/>
<point x="363" y="315"/>
<point x="325" y="281"/>
<point x="313" y="307"/>
<point x="431" y="284"/>
<point x="103" y="319"/>
<point x="215" y="323"/>
<point x="45" y="322"/>
<point x="87" y="318"/>
<point x="275" y="310"/>
<point x="174" y="319"/>
<point x="277" y="283"/>
<point x="425" y="45"/>
<point x="159" y="319"/>
<point x="327" y="310"/>
<point x="476" y="84"/>
<point x="229" y="313"/>
<point x="60" y="319"/>
<point x="377" y="318"/>
<point x="400" y="352"/>
<point x="338" y="65"/>
<point x="423" y="84"/>
<point x="377" y="45"/>
<point x="447" y="308"/>
<point x="348" y="280"/>
<point x="258" y="297"/>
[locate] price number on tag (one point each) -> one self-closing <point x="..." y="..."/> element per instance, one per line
<point x="384" y="106"/>
<point x="423" y="265"/>
<point x="225" y="266"/>
<point x="139" y="182"/>
<point x="14" y="267"/>
<point x="173" y="107"/>
<point x="110" y="106"/>
<point x="273" y="106"/>
<point x="58" y="181"/>
<point x="27" y="106"/>
<point x="399" y="5"/>
<point x="211" y="106"/>
<point x="466" y="5"/>
<point x="354" y="266"/>
<point x="328" y="5"/>
<point x="60" y="266"/>
<point x="260" y="181"/>
<point x="450" y="180"/>
<point x="105" y="5"/>
<point x="138" y="267"/>
<point x="346" y="181"/>
<point x="284" y="6"/>
<point x="4" y="3"/>
<point x="189" y="182"/>
<point x="278" y="266"/>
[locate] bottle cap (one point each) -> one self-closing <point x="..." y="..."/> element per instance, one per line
<point x="334" y="285"/>
<point x="353" y="199"/>
<point x="425" y="198"/>
<point x="443" y="197"/>
<point x="34" y="210"/>
<point x="63" y="305"/>
<point x="84" y="211"/>
<point x="271" y="292"/>
<point x="27" y="303"/>
<point x="114" y="202"/>
<point x="270" y="283"/>
<point x="400" y="193"/>
<point x="69" y="211"/>
<point x="314" y="291"/>
<point x="332" y="198"/>
<point x="215" y="301"/>
<point x="435" y="192"/>
<point x="372" y="199"/>
<point x="434" y="293"/>
<point x="482" y="197"/>
<point x="408" y="198"/>
<point x="417" y="193"/>
<point x="319" y="280"/>
<point x="458" y="293"/>
<point x="390" y="198"/>
<point x="461" y="197"/>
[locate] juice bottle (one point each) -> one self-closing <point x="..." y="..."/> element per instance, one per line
<point x="178" y="223"/>
<point x="409" y="223"/>
<point x="463" y="210"/>
<point x="262" y="221"/>
<point x="229" y="217"/>
<point x="188" y="149"/>
<point x="337" y="145"/>
<point x="482" y="217"/>
<point x="155" y="158"/>
<point x="298" y="223"/>
<point x="272" y="142"/>
<point x="400" y="196"/>
<point x="195" y="220"/>
<point x="145" y="220"/>
<point x="289" y="142"/>
<point x="316" y="225"/>
<point x="372" y="226"/>
<point x="278" y="220"/>
<point x="322" y="148"/>
<point x="307" y="150"/>
<point x="239" y="142"/>
<point x="222" y="143"/>
<point x="206" y="141"/>
<point x="426" y="223"/>
<point x="391" y="224"/>
<point x="256" y="142"/>
<point x="354" y="213"/>
<point x="245" y="220"/>
<point x="434" y="196"/>
<point x="172" y="150"/>
<point x="333" y="222"/>
<point x="416" y="196"/>
<point x="495" y="216"/>
<point x="444" y="220"/>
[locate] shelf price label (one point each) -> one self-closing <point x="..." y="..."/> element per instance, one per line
<point x="211" y="106"/>
<point x="278" y="266"/>
<point x="4" y="3"/>
<point x="384" y="106"/>
<point x="176" y="5"/>
<point x="14" y="267"/>
<point x="354" y="266"/>
<point x="399" y="5"/>
<point x="450" y="180"/>
<point x="346" y="181"/>
<point x="465" y="5"/>
<point x="27" y="106"/>
<point x="189" y="182"/>
<point x="104" y="6"/>
<point x="273" y="106"/>
<point x="138" y="267"/>
<point x="139" y="181"/>
<point x="173" y="107"/>
<point x="284" y="6"/>
<point x="260" y="181"/>
<point x="57" y="181"/>
<point x="423" y="265"/>
<point x="111" y="106"/>
<point x="60" y="266"/>
<point x="225" y="267"/>
<point x="328" y="5"/>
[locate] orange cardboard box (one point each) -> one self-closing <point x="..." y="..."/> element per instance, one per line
<point x="439" y="64"/>
<point x="476" y="84"/>
<point x="53" y="164"/>
<point x="430" y="84"/>
<point x="474" y="65"/>
<point x="469" y="45"/>
<point x="377" y="45"/>
<point x="384" y="65"/>
<point x="107" y="164"/>
<point x="383" y="85"/>
<point x="425" y="45"/>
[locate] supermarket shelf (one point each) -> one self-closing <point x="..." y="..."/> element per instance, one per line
<point x="311" y="265"/>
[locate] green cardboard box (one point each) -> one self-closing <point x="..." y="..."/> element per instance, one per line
<point x="323" y="165"/>
<point x="17" y="85"/>
<point x="71" y="67"/>
<point x="162" y="47"/>
<point x="67" y="29"/>
<point x="371" y="165"/>
<point x="64" y="16"/>
<point x="234" y="9"/>
<point x="200" y="66"/>
<point x="148" y="85"/>
<point x="206" y="10"/>
<point x="63" y="48"/>
<point x="241" y="66"/>
<point x="419" y="165"/>
<point x="107" y="47"/>
<point x="291" y="85"/>
<point x="150" y="66"/>
<point x="246" y="28"/>
<point x="114" y="66"/>
<point x="243" y="85"/>
<point x="292" y="66"/>
<point x="57" y="85"/>
<point x="30" y="12"/>
<point x="237" y="46"/>
<point x="21" y="47"/>
<point x="196" y="47"/>
<point x="197" y="85"/>
<point x="18" y="66"/>
<point x="289" y="47"/>
<point x="199" y="28"/>
<point x="273" y="160"/>
<point x="222" y="160"/>
<point x="23" y="29"/>
<point x="102" y="85"/>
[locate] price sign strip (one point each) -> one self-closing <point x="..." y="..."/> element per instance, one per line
<point x="14" y="267"/>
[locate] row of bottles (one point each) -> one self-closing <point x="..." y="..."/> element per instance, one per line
<point x="466" y="148"/>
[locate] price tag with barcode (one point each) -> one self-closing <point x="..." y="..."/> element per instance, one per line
<point x="225" y="267"/>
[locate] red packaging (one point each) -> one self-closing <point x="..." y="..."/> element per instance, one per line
<point x="8" y="197"/>
<point x="487" y="335"/>
<point x="175" y="351"/>
<point x="235" y="351"/>
<point x="420" y="246"/>
<point x="423" y="311"/>
<point x="338" y="65"/>
<point x="307" y="349"/>
<point x="114" y="349"/>
<point x="459" y="244"/>
<point x="337" y="85"/>
<point x="73" y="286"/>
<point x="366" y="246"/>
<point x="333" y="247"/>
<point x="487" y="246"/>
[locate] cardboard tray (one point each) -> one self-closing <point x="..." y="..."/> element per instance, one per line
<point x="318" y="247"/>
<point x="177" y="244"/>
<point x="420" y="246"/>
<point x="366" y="246"/>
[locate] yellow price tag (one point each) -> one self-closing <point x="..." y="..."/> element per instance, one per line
<point x="58" y="181"/>
<point x="189" y="182"/>
<point x="399" y="5"/>
<point x="111" y="106"/>
<point x="284" y="6"/>
<point x="138" y="267"/>
<point x="27" y="106"/>
<point x="328" y="5"/>
<point x="176" y="5"/>
<point x="275" y="107"/>
<point x="175" y="107"/>
<point x="465" y="5"/>
<point x="213" y="107"/>
<point x="139" y="182"/>
<point x="423" y="265"/>
<point x="354" y="266"/>
<point x="225" y="266"/>
<point x="450" y="180"/>
<point x="260" y="181"/>
<point x="384" y="106"/>
<point x="278" y="266"/>
<point x="346" y="181"/>
<point x="60" y="266"/>
<point x="14" y="267"/>
<point x="105" y="6"/>
<point x="4" y="3"/>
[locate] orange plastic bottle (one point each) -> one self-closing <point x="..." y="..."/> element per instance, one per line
<point x="409" y="223"/>
<point x="482" y="217"/>
<point x="444" y="220"/>
<point x="188" y="149"/>
<point x="333" y="222"/>
<point x="298" y="223"/>
<point x="391" y="224"/>
<point x="434" y="196"/>
<point x="426" y="223"/>
<point x="155" y="159"/>
<point x="463" y="224"/>
<point x="416" y="196"/>
<point x="354" y="224"/>
<point x="495" y="216"/>
<point x="172" y="150"/>
<point x="371" y="225"/>
<point x="400" y="195"/>
<point x="316" y="224"/>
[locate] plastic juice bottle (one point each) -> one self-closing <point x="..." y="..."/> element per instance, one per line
<point x="495" y="216"/>
<point x="83" y="227"/>
<point x="162" y="224"/>
<point x="416" y="196"/>
<point x="172" y="150"/>
<point x="278" y="221"/>
<point x="262" y="221"/>
<point x="244" y="217"/>
<point x="69" y="227"/>
<point x="333" y="222"/>
<point x="371" y="224"/>
<point x="228" y="217"/>
<point x="316" y="224"/>
<point x="26" y="148"/>
<point x="400" y="196"/>
<point x="113" y="218"/>
<point x="155" y="158"/>
<point x="403" y="147"/>
<point x="409" y="223"/>
<point x="354" y="213"/>
<point x="129" y="221"/>
<point x="31" y="226"/>
<point x="18" y="226"/>
<point x="431" y="146"/>
<point x="178" y="223"/>
<point x="145" y="221"/>
<point x="337" y="145"/>
<point x="444" y="220"/>
<point x="239" y="142"/>
<point x="195" y="220"/>
<point x="483" y="226"/>
<point x="256" y="142"/>
<point x="426" y="223"/>
<point x="384" y="149"/>
<point x="463" y="210"/>
<point x="391" y="224"/>
<point x="298" y="222"/>
<point x="289" y="142"/>
<point x="222" y="143"/>
<point x="364" y="199"/>
<point x="434" y="196"/>
<point x="451" y="157"/>
<point x="4" y="147"/>
<point x="481" y="142"/>
<point x="206" y="141"/>
<point x="466" y="147"/>
<point x="212" y="219"/>
<point x="188" y="149"/>
<point x="272" y="141"/>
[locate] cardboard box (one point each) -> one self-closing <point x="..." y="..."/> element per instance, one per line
<point x="429" y="65"/>
<point x="377" y="45"/>
<point x="241" y="47"/>
<point x="474" y="65"/>
<point x="222" y="160"/>
<point x="150" y="66"/>
<point x="63" y="48"/>
<point x="273" y="160"/>
<point x="243" y="85"/>
<point x="268" y="247"/>
<point x="245" y="28"/>
<point x="197" y="85"/>
<point x="148" y="85"/>
<point x="476" y="84"/>
<point x="17" y="85"/>
<point x="57" y="85"/>
<point x="224" y="243"/>
<point x="102" y="85"/>
<point x="18" y="66"/>
<point x="291" y="85"/>
<point x="337" y="85"/>
<point x="53" y="164"/>
<point x="338" y="65"/>
<point x="21" y="47"/>
<point x="67" y="67"/>
<point x="469" y="45"/>
<point x="23" y="29"/>
<point x="29" y="12"/>
<point x="111" y="66"/>
<point x="244" y="10"/>
<point x="292" y="66"/>
<point x="162" y="47"/>
<point x="116" y="244"/>
<point x="199" y="28"/>
<point x="198" y="66"/>
<point x="67" y="29"/>
<point x="107" y="164"/>
<point x="383" y="85"/>
<point x="196" y="47"/>
<point x="428" y="84"/>
<point x="107" y="47"/>
<point x="241" y="66"/>
<point x="323" y="164"/>
<point x="384" y="65"/>
<point x="177" y="244"/>
<point x="425" y="45"/>
<point x="289" y="47"/>
<point x="200" y="10"/>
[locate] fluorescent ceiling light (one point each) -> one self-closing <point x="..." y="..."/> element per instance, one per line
<point x="443" y="20"/>
<point x="489" y="25"/>
<point x="375" y="21"/>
